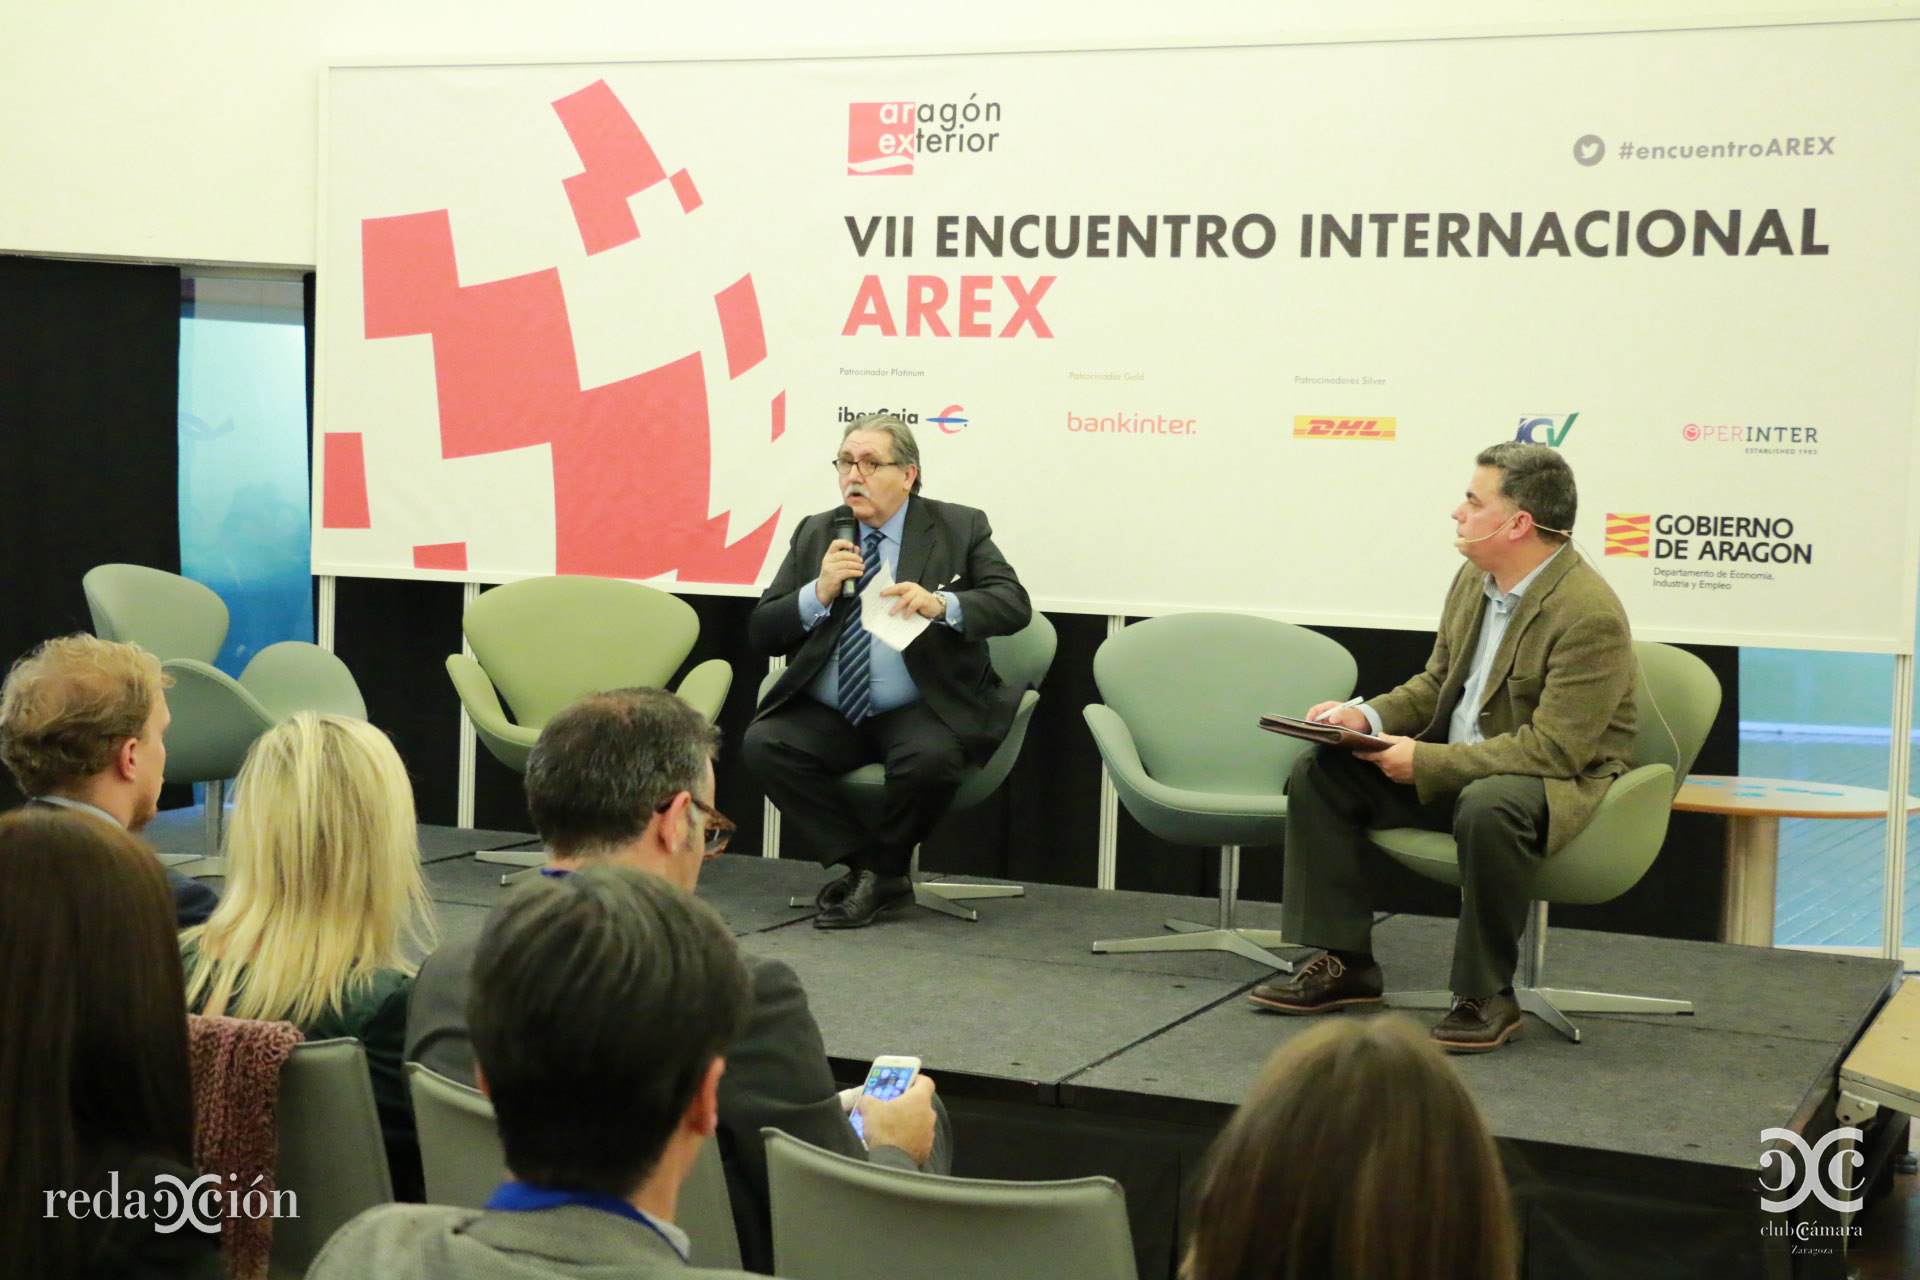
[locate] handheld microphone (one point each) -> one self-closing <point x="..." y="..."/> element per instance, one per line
<point x="846" y="529"/>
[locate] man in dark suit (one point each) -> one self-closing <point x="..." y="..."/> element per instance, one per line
<point x="847" y="699"/>
<point x="627" y="776"/>
<point x="83" y="725"/>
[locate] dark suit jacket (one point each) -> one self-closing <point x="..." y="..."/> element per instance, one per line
<point x="193" y="902"/>
<point x="943" y="546"/>
<point x="776" y="1075"/>
<point x="1559" y="696"/>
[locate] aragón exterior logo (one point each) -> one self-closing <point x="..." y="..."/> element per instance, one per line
<point x="884" y="138"/>
<point x="1311" y="428"/>
<point x="879" y="139"/>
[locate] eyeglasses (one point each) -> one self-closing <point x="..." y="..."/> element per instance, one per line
<point x="865" y="466"/>
<point x="720" y="827"/>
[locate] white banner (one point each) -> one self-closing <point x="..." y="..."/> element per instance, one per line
<point x="1211" y="328"/>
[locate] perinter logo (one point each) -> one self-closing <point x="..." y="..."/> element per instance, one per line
<point x="1308" y="428"/>
<point x="949" y="420"/>
<point x="880" y="139"/>
<point x="1629" y="535"/>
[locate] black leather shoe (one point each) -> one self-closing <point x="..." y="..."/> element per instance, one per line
<point x="868" y="896"/>
<point x="1321" y="985"/>
<point x="834" y="892"/>
<point x="1478" y="1024"/>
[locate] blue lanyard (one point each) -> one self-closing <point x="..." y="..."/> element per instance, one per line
<point x="525" y="1197"/>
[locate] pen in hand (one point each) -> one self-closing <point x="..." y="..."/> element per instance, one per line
<point x="1350" y="702"/>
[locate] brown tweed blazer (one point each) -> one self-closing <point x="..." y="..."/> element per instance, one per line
<point x="1559" y="697"/>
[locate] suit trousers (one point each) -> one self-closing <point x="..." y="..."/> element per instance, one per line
<point x="1499" y="824"/>
<point x="799" y="751"/>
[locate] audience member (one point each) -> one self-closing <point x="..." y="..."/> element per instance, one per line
<point x="627" y="777"/>
<point x="96" y="1099"/>
<point x="324" y="904"/>
<point x="82" y="726"/>
<point x="1358" y="1156"/>
<point x="603" y="1006"/>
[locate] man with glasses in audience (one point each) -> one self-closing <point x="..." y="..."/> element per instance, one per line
<point x="601" y="1117"/>
<point x="627" y="777"/>
<point x="83" y="725"/>
<point x="847" y="699"/>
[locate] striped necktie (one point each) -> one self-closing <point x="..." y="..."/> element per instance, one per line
<point x="855" y="652"/>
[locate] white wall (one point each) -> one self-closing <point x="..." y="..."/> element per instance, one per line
<point x="186" y="132"/>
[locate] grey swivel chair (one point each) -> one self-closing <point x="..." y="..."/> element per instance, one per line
<point x="544" y="643"/>
<point x="1022" y="661"/>
<point x="331" y="1154"/>
<point x="461" y="1155"/>
<point x="1676" y="700"/>
<point x="215" y="717"/>
<point x="1178" y="730"/>
<point x="836" y="1218"/>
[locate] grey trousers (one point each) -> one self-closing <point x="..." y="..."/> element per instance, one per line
<point x="1499" y="824"/>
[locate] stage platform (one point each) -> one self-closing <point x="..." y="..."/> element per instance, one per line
<point x="1633" y="1153"/>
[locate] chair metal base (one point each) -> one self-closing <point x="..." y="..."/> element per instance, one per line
<point x="210" y="863"/>
<point x="944" y="896"/>
<point x="1223" y="936"/>
<point x="1552" y="1004"/>
<point x="1189" y="936"/>
<point x="1549" y="1004"/>
<point x="531" y="859"/>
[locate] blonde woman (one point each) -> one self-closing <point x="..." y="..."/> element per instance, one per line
<point x="324" y="907"/>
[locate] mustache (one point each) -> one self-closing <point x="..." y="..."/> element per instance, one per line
<point x="857" y="490"/>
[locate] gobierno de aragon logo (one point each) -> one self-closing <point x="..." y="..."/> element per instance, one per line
<point x="884" y="138"/>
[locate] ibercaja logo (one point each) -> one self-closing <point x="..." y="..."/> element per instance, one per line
<point x="879" y="138"/>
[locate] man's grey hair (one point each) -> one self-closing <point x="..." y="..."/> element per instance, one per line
<point x="603" y="765"/>
<point x="1538" y="481"/>
<point x="906" y="451"/>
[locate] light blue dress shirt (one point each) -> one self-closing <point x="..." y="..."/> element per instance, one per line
<point x="1465" y="724"/>
<point x="891" y="687"/>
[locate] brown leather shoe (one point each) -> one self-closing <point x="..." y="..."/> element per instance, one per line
<point x="834" y="892"/>
<point x="1478" y="1024"/>
<point x="1321" y="985"/>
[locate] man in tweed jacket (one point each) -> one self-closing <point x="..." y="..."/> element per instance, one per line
<point x="1509" y="739"/>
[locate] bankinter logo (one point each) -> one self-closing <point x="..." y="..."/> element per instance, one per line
<point x="879" y="139"/>
<point x="1628" y="535"/>
<point x="1343" y="428"/>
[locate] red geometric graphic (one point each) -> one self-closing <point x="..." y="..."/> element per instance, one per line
<point x="780" y="415"/>
<point x="619" y="163"/>
<point x="441" y="555"/>
<point x="740" y="326"/>
<point x="630" y="459"/>
<point x="684" y="188"/>
<point x="344" y="477"/>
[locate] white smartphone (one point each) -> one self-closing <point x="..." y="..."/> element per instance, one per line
<point x="887" y="1078"/>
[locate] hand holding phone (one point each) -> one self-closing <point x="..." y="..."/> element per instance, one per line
<point x="895" y="1108"/>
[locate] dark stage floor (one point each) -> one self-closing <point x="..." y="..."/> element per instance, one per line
<point x="1633" y="1153"/>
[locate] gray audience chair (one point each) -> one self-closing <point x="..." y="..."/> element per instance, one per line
<point x="1178" y="729"/>
<point x="1676" y="700"/>
<point x="215" y="717"/>
<point x="1022" y="661"/>
<point x="835" y="1218"/>
<point x="460" y="1152"/>
<point x="331" y="1154"/>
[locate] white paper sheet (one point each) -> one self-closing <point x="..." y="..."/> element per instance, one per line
<point x="894" y="632"/>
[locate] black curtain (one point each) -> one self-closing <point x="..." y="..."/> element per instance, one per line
<point x="89" y="434"/>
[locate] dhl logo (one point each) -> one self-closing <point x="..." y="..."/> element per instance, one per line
<point x="1628" y="535"/>
<point x="1305" y="428"/>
